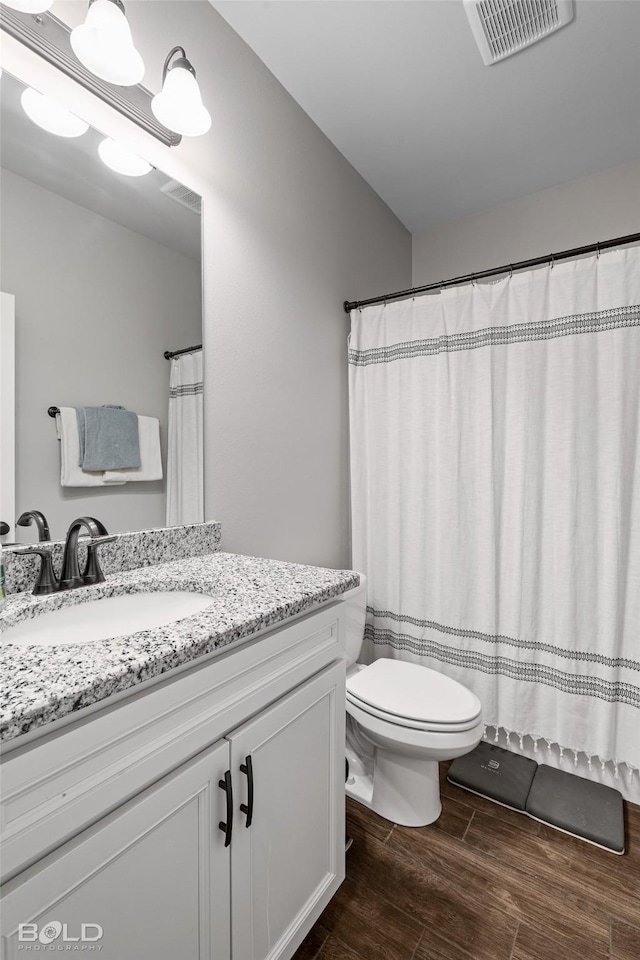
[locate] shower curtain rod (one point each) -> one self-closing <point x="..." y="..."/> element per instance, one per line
<point x="170" y="354"/>
<point x="350" y="305"/>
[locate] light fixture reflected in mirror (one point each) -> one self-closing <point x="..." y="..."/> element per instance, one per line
<point x="50" y="115"/>
<point x="29" y="6"/>
<point x="103" y="43"/>
<point x="122" y="160"/>
<point x="179" y="106"/>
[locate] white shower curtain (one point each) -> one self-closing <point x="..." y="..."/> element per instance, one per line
<point x="495" y="465"/>
<point x="185" y="473"/>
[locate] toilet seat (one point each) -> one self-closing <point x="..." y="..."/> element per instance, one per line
<point x="413" y="696"/>
<point x="426" y="726"/>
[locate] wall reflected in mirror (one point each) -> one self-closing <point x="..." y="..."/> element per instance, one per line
<point x="106" y="274"/>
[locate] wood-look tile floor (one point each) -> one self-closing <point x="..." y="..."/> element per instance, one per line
<point x="483" y="883"/>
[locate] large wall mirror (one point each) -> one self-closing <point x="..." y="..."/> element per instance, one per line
<point x="105" y="270"/>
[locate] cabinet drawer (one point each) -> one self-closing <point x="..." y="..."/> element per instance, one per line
<point x="55" y="786"/>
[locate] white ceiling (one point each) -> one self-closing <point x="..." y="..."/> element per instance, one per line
<point x="399" y="87"/>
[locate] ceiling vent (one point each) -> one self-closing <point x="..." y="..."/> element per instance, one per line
<point x="181" y="194"/>
<point x="503" y="27"/>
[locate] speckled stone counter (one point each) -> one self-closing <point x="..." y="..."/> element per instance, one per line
<point x="248" y="595"/>
<point x="140" y="548"/>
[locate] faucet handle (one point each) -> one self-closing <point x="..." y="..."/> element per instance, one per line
<point x="92" y="571"/>
<point x="46" y="582"/>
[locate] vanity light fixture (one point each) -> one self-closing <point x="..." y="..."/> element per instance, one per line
<point x="103" y="43"/>
<point x="49" y="115"/>
<point x="100" y="55"/>
<point x="179" y="105"/>
<point x="122" y="160"/>
<point x="29" y="6"/>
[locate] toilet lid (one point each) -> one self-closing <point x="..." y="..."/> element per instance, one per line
<point x="413" y="692"/>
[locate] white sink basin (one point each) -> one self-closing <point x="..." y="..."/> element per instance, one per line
<point x="109" y="617"/>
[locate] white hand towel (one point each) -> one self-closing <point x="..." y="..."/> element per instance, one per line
<point x="150" y="459"/>
<point x="71" y="475"/>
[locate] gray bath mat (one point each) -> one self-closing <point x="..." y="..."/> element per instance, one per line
<point x="495" y="773"/>
<point x="588" y="810"/>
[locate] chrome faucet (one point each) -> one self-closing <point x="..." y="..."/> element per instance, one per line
<point x="70" y="578"/>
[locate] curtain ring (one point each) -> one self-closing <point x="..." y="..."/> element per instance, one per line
<point x="510" y="271"/>
<point x="473" y="279"/>
<point x="598" y="250"/>
<point x="552" y="260"/>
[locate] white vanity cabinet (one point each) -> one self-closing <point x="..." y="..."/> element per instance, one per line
<point x="232" y="853"/>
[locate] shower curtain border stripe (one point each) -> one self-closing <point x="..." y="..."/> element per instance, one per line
<point x="583" y="655"/>
<point x="608" y="690"/>
<point x="598" y="322"/>
<point x="187" y="390"/>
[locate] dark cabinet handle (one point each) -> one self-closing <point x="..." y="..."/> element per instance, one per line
<point x="228" y="789"/>
<point x="247" y="808"/>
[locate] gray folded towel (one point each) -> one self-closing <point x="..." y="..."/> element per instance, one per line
<point x="108" y="438"/>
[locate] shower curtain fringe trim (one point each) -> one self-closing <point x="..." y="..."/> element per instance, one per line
<point x="619" y="768"/>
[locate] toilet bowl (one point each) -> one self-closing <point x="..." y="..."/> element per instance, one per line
<point x="402" y="718"/>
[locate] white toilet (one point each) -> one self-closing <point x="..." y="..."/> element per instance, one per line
<point x="402" y="718"/>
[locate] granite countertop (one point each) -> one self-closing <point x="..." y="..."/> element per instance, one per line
<point x="42" y="684"/>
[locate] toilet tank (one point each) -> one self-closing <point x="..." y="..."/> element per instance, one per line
<point x="355" y="601"/>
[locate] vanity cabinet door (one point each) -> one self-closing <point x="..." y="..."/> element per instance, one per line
<point x="151" y="880"/>
<point x="287" y="856"/>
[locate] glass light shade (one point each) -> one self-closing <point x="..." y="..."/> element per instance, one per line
<point x="119" y="158"/>
<point x="103" y="43"/>
<point x="179" y="106"/>
<point x="29" y="6"/>
<point x="50" y="115"/>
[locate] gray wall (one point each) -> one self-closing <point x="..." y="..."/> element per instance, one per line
<point x="96" y="305"/>
<point x="290" y="232"/>
<point x="572" y="214"/>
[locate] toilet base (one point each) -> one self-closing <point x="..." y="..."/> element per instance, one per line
<point x="404" y="790"/>
<point x="360" y="787"/>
